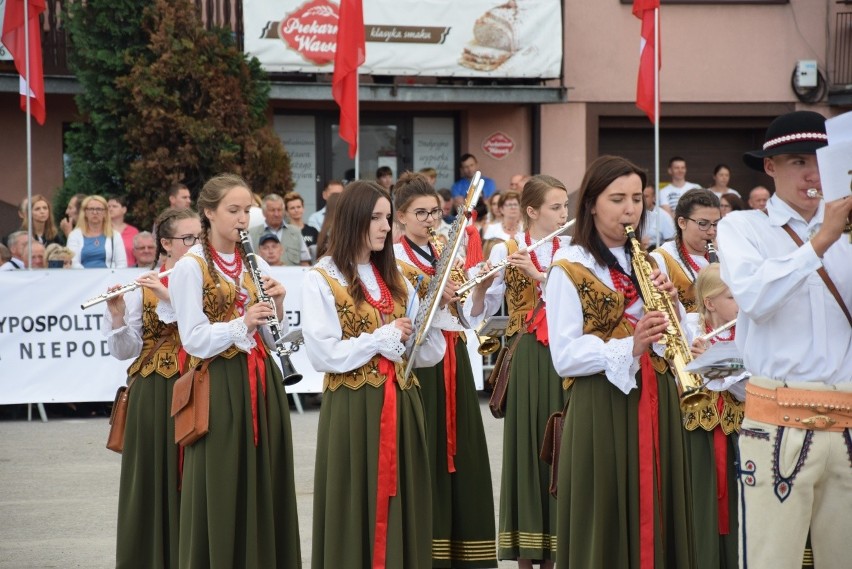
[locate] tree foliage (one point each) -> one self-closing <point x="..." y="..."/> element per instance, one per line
<point x="104" y="36"/>
<point x="197" y="108"/>
<point x="166" y="101"/>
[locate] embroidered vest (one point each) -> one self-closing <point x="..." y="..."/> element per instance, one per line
<point x="216" y="306"/>
<point x="354" y="321"/>
<point x="165" y="360"/>
<point x="682" y="281"/>
<point x="411" y="274"/>
<point x="520" y="294"/>
<point x="603" y="309"/>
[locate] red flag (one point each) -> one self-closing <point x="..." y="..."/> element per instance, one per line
<point x="644" y="10"/>
<point x="32" y="83"/>
<point x="349" y="55"/>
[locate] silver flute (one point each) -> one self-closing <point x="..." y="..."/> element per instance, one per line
<point x="289" y="372"/>
<point x="119" y="291"/>
<point x="502" y="264"/>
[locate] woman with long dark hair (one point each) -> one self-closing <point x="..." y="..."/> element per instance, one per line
<point x="372" y="489"/>
<point x="623" y="482"/>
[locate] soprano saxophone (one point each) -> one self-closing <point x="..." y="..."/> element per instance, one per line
<point x="677" y="348"/>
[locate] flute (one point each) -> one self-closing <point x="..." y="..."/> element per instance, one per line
<point x="120" y="290"/>
<point x="502" y="264"/>
<point x="719" y="330"/>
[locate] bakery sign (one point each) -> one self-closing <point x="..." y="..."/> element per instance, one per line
<point x="475" y="38"/>
<point x="498" y="145"/>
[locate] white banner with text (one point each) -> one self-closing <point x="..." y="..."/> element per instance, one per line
<point x="51" y="351"/>
<point x="440" y="38"/>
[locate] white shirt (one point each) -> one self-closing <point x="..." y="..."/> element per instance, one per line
<point x="125" y="342"/>
<point x="666" y="223"/>
<point x="316" y="218"/>
<point x="577" y="354"/>
<point x="789" y="325"/>
<point x="670" y="195"/>
<point x="494" y="294"/>
<point x="497" y="231"/>
<point x="326" y="349"/>
<point x="199" y="336"/>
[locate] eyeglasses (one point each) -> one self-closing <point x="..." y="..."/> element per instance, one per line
<point x="96" y="209"/>
<point x="513" y="205"/>
<point x="188" y="240"/>
<point x="423" y="214"/>
<point x="703" y="224"/>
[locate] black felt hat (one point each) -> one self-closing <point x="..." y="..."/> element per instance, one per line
<point x="799" y="132"/>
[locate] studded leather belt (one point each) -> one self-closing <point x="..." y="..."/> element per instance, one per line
<point x="800" y="408"/>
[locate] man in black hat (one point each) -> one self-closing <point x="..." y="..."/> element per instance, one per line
<point x="782" y="266"/>
<point x="270" y="249"/>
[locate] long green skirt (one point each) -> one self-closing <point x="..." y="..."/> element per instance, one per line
<point x="527" y="510"/>
<point x="148" y="497"/>
<point x="345" y="482"/>
<point x="712" y="550"/>
<point x="238" y="502"/>
<point x="599" y="480"/>
<point x="462" y="501"/>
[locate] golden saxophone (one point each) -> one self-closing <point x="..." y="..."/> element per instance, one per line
<point x="677" y="349"/>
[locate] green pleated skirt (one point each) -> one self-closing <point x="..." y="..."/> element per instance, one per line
<point x="463" y="532"/>
<point x="238" y="502"/>
<point x="599" y="480"/>
<point x="527" y="510"/>
<point x="345" y="482"/>
<point x="148" y="497"/>
<point x="712" y="550"/>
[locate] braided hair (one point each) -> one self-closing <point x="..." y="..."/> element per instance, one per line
<point x="165" y="224"/>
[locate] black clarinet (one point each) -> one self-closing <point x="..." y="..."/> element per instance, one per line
<point x="291" y="376"/>
<point x="712" y="256"/>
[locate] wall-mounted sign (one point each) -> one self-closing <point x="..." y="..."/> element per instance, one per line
<point x="498" y="145"/>
<point x="476" y="38"/>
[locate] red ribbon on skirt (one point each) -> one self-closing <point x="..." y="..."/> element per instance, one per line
<point x="450" y="397"/>
<point x="256" y="371"/>
<point x="386" y="483"/>
<point x="649" y="459"/>
<point x="538" y="326"/>
<point x="720" y="448"/>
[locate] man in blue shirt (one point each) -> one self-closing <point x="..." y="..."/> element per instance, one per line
<point x="468" y="167"/>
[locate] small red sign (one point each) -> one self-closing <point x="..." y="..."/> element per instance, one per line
<point x="311" y="29"/>
<point x="498" y="145"/>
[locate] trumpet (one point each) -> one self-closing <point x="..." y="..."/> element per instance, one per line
<point x="289" y="372"/>
<point x="815" y="193"/>
<point x="505" y="262"/>
<point x="119" y="291"/>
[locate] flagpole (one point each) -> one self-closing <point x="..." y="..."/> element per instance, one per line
<point x="657" y="114"/>
<point x="28" y="116"/>
<point x="358" y="122"/>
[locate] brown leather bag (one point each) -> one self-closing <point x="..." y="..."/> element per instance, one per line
<point x="191" y="404"/>
<point x="118" y="415"/>
<point x="499" y="378"/>
<point x="551" y="444"/>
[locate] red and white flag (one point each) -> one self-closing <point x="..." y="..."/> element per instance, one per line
<point x="349" y="55"/>
<point x="32" y="79"/>
<point x="644" y="10"/>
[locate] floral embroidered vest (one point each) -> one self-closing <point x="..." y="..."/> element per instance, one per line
<point x="216" y="305"/>
<point x="682" y="281"/>
<point x="520" y="294"/>
<point x="354" y="321"/>
<point x="165" y="360"/>
<point x="603" y="309"/>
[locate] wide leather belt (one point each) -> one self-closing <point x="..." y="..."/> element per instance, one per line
<point x="799" y="408"/>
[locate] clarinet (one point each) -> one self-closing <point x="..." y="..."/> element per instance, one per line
<point x="712" y="256"/>
<point x="291" y="376"/>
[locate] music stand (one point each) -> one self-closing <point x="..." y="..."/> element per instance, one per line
<point x="493" y="327"/>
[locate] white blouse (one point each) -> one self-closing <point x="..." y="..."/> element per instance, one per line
<point x="577" y="354"/>
<point x="494" y="294"/>
<point x="200" y="337"/>
<point x="326" y="349"/>
<point x="671" y="248"/>
<point x="733" y="383"/>
<point x="125" y="342"/>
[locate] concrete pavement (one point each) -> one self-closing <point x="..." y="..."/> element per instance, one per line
<point x="59" y="489"/>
